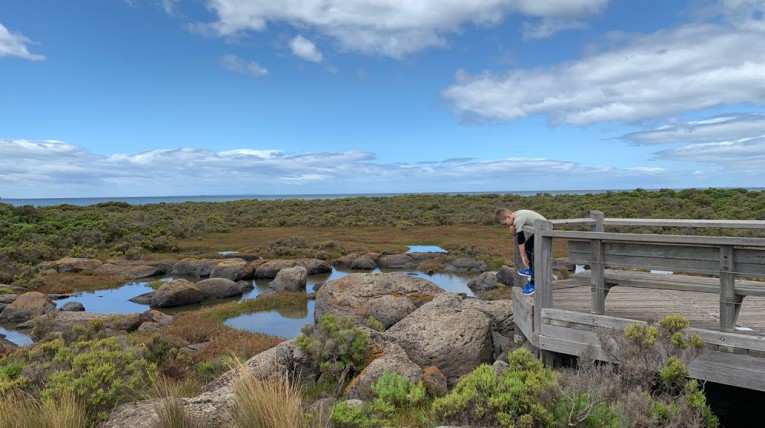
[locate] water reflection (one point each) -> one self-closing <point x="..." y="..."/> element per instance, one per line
<point x="425" y="249"/>
<point x="14" y="336"/>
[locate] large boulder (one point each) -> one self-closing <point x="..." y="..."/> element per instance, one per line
<point x="447" y="334"/>
<point x="290" y="279"/>
<point x="72" y="307"/>
<point x="219" y="288"/>
<point x="132" y="271"/>
<point x="178" y="292"/>
<point x="234" y="269"/>
<point x="355" y="296"/>
<point x="483" y="282"/>
<point x="315" y="266"/>
<point x="29" y="305"/>
<point x="465" y="265"/>
<point x="499" y="311"/>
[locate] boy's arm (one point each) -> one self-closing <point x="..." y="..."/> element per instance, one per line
<point x="522" y="247"/>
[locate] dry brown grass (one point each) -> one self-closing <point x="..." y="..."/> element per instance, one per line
<point x="493" y="239"/>
<point x="20" y="411"/>
<point x="266" y="403"/>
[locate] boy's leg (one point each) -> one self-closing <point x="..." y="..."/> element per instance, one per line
<point x="530" y="254"/>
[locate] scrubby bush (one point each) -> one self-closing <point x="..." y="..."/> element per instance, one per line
<point x="339" y="348"/>
<point x="521" y="396"/>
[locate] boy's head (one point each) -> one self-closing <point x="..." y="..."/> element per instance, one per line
<point x="504" y="216"/>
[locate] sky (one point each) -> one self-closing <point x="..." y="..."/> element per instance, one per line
<point x="125" y="98"/>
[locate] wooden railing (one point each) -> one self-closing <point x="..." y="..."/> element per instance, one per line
<point x="703" y="257"/>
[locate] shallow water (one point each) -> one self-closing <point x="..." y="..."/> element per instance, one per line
<point x="282" y="322"/>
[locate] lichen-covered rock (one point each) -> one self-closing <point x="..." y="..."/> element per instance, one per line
<point x="194" y="268"/>
<point x="499" y="311"/>
<point x="447" y="334"/>
<point x="178" y="292"/>
<point x="354" y="296"/>
<point x="390" y="309"/>
<point x="397" y="261"/>
<point x="270" y="268"/>
<point x="70" y="265"/>
<point x="61" y="321"/>
<point x="434" y="381"/>
<point x="27" y="306"/>
<point x="358" y="261"/>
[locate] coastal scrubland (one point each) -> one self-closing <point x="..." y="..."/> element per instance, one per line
<point x="325" y="228"/>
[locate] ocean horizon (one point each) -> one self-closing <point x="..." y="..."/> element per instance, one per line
<point x="145" y="200"/>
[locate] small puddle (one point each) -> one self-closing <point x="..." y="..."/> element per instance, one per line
<point x="13" y="335"/>
<point x="425" y="249"/>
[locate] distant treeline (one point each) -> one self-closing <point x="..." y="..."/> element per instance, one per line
<point x="29" y="235"/>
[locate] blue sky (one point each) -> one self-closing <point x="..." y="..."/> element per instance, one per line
<point x="189" y="97"/>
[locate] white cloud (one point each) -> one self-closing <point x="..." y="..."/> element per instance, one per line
<point x="59" y="169"/>
<point x="745" y="156"/>
<point x="13" y="44"/>
<point x="652" y="76"/>
<point x="548" y="27"/>
<point x="305" y="49"/>
<point x="388" y="28"/>
<point x="241" y="66"/>
<point x="736" y="126"/>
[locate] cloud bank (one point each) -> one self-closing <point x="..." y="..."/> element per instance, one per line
<point x="669" y="72"/>
<point x="393" y="28"/>
<point x="59" y="169"/>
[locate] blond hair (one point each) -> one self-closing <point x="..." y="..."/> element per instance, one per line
<point x="500" y="214"/>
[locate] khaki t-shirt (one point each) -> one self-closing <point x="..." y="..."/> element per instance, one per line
<point x="525" y="218"/>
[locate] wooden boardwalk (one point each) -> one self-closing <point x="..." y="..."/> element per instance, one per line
<point x="645" y="304"/>
<point x="721" y="292"/>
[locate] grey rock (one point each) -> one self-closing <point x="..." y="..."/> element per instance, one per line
<point x="219" y="288"/>
<point x="234" y="269"/>
<point x="361" y="387"/>
<point x="143" y="299"/>
<point x="270" y="268"/>
<point x="446" y="334"/>
<point x="505" y="275"/>
<point x="73" y="307"/>
<point x="397" y="261"/>
<point x="290" y="279"/>
<point x="178" y="292"/>
<point x="390" y="309"/>
<point x="483" y="282"/>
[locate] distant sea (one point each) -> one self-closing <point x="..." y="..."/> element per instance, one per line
<point x="144" y="200"/>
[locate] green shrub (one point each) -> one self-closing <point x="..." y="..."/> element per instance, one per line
<point x="521" y="395"/>
<point x="337" y="346"/>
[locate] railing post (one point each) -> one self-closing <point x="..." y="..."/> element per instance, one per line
<point x="730" y="303"/>
<point x="597" y="266"/>
<point x="543" y="297"/>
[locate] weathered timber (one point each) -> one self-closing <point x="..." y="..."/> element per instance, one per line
<point x="702" y="284"/>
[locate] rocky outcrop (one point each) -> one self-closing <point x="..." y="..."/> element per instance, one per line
<point x="178" y="292"/>
<point x="290" y="279"/>
<point x="194" y="268"/>
<point x="132" y="271"/>
<point x="499" y="311"/>
<point x="354" y="296"/>
<point x="69" y="265"/>
<point x="219" y="288"/>
<point x="483" y="282"/>
<point x="27" y="306"/>
<point x="447" y="334"/>
<point x="62" y="321"/>
<point x="465" y="265"/>
<point x="270" y="268"/>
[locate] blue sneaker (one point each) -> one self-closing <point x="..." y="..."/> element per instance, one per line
<point x="528" y="290"/>
<point x="525" y="272"/>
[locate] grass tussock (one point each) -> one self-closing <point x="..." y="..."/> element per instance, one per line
<point x="262" y="403"/>
<point x="172" y="414"/>
<point x="20" y="411"/>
